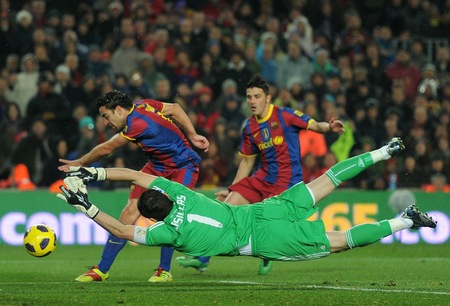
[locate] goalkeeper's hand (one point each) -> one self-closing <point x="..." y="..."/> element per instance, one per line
<point x="87" y="174"/>
<point x="76" y="195"/>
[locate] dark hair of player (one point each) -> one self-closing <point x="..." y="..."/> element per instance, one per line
<point x="259" y="82"/>
<point x="153" y="204"/>
<point x="114" y="98"/>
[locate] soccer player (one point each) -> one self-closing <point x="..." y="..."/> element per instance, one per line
<point x="276" y="228"/>
<point x="272" y="134"/>
<point x="149" y="124"/>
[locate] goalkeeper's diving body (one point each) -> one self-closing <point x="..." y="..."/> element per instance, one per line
<point x="275" y="229"/>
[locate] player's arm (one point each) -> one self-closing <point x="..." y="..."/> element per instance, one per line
<point x="245" y="167"/>
<point x="76" y="195"/>
<point x="89" y="174"/>
<point x="98" y="152"/>
<point x="333" y="126"/>
<point x="175" y="111"/>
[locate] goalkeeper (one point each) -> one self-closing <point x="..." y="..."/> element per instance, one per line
<point x="274" y="229"/>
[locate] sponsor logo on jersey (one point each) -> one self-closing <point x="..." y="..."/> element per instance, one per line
<point x="278" y="140"/>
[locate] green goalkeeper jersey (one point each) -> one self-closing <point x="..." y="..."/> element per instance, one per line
<point x="197" y="225"/>
<point x="275" y="228"/>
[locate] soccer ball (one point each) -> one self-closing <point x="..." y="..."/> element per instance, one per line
<point x="39" y="240"/>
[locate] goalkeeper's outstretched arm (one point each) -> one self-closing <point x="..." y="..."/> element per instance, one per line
<point x="74" y="192"/>
<point x="135" y="177"/>
<point x="90" y="174"/>
<point x="115" y="227"/>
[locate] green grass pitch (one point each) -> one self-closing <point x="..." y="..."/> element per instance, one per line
<point x="376" y="275"/>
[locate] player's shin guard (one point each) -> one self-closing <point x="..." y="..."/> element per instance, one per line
<point x="112" y="247"/>
<point x="365" y="234"/>
<point x="166" y="258"/>
<point x="349" y="168"/>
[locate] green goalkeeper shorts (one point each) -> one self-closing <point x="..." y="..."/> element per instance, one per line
<point x="281" y="231"/>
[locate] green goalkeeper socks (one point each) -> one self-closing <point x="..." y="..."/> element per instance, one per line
<point x="349" y="168"/>
<point x="365" y="234"/>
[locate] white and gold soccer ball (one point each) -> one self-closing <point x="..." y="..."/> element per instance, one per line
<point x="39" y="240"/>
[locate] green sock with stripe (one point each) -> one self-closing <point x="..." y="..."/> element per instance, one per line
<point x="368" y="233"/>
<point x="349" y="168"/>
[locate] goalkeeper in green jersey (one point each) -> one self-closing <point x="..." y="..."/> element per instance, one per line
<point x="275" y="229"/>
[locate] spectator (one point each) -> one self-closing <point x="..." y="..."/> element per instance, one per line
<point x="210" y="73"/>
<point x="149" y="73"/>
<point x="72" y="61"/>
<point x="437" y="183"/>
<point x="376" y="68"/>
<point x="95" y="65"/>
<point x="185" y="70"/>
<point x="251" y="61"/>
<point x="50" y="173"/>
<point x="161" y="39"/>
<point x="48" y="105"/>
<point x="88" y="139"/>
<point x="213" y="168"/>
<point x="237" y="71"/>
<point x="231" y="110"/>
<point x="125" y="58"/>
<point x="322" y="63"/>
<point x="163" y="91"/>
<point x="294" y="65"/>
<point x="63" y="86"/>
<point x="25" y="85"/>
<point x="422" y="155"/>
<point x="23" y="33"/>
<point x="403" y="73"/>
<point x="372" y="125"/>
<point x="385" y="43"/>
<point x="138" y="85"/>
<point x="418" y="56"/>
<point x="12" y="129"/>
<point x="442" y="63"/>
<point x="310" y="168"/>
<point x="162" y="66"/>
<point x="410" y="176"/>
<point x="207" y="114"/>
<point x="354" y="38"/>
<point x="415" y="17"/>
<point x="34" y="150"/>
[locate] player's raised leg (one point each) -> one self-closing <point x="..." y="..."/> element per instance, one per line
<point x="113" y="246"/>
<point x="349" y="168"/>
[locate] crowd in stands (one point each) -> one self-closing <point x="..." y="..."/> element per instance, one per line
<point x="382" y="67"/>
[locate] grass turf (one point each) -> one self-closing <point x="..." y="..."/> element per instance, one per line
<point x="375" y="275"/>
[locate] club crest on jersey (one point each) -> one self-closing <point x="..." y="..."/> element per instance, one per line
<point x="274" y="125"/>
<point x="265" y="134"/>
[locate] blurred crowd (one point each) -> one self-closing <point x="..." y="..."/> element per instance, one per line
<point x="382" y="67"/>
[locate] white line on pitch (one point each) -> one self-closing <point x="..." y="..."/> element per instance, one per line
<point x="340" y="288"/>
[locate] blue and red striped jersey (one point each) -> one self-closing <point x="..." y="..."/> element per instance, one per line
<point x="275" y="138"/>
<point x="159" y="137"/>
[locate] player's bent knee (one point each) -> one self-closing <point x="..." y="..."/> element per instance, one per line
<point x="338" y="242"/>
<point x="130" y="213"/>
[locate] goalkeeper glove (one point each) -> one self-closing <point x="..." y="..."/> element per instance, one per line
<point x="77" y="196"/>
<point x="87" y="174"/>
